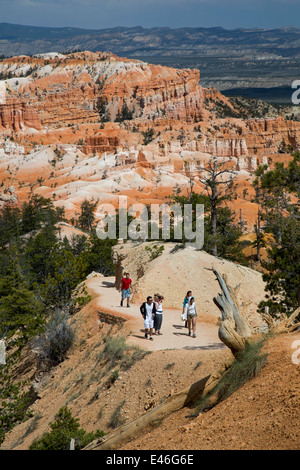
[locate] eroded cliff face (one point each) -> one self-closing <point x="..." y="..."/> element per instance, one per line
<point x="57" y="91"/>
<point x="267" y="135"/>
<point x="93" y="125"/>
<point x="17" y="115"/>
<point x="153" y="91"/>
<point x="76" y="88"/>
<point x="101" y="143"/>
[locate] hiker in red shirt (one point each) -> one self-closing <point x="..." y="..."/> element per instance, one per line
<point x="125" y="289"/>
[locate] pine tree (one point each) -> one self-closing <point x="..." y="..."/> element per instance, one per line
<point x="21" y="311"/>
<point x="87" y="216"/>
<point x="219" y="186"/>
<point x="63" y="429"/>
<point x="278" y="192"/>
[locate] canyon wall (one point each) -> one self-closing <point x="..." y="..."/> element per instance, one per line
<point x="16" y="115"/>
<point x="93" y="125"/>
<point x="68" y="90"/>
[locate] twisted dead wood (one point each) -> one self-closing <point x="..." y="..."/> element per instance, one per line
<point x="233" y="330"/>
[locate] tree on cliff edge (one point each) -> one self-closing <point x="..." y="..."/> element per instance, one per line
<point x="87" y="216"/>
<point x="218" y="181"/>
<point x="278" y="193"/>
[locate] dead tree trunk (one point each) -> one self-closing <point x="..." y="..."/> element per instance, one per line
<point x="284" y="325"/>
<point x="233" y="330"/>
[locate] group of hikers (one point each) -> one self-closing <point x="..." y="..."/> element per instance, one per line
<point x="152" y="310"/>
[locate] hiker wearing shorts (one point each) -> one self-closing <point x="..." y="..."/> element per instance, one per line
<point x="191" y="315"/>
<point x="126" y="284"/>
<point x="148" y="311"/>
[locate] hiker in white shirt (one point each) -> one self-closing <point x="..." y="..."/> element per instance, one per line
<point x="185" y="301"/>
<point x="159" y="313"/>
<point x="191" y="315"/>
<point x="148" y="311"/>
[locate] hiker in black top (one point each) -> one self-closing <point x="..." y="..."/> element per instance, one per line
<point x="148" y="311"/>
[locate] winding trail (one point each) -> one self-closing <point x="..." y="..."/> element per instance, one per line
<point x="174" y="334"/>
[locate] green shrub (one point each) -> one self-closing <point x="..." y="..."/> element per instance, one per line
<point x="246" y="366"/>
<point x="116" y="351"/>
<point x="114" y="348"/>
<point x="148" y="136"/>
<point x="133" y="355"/>
<point x="155" y="251"/>
<point x="54" y="344"/>
<point x="14" y="403"/>
<point x="63" y="429"/>
<point x="170" y="365"/>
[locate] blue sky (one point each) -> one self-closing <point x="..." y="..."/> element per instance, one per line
<point x="98" y="14"/>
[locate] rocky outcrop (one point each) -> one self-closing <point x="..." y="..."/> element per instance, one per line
<point x="100" y="144"/>
<point x="155" y="91"/>
<point x="122" y="126"/>
<point x="143" y="162"/>
<point x="8" y="197"/>
<point x="80" y="87"/>
<point x="224" y="147"/>
<point x="16" y="115"/>
<point x="268" y="135"/>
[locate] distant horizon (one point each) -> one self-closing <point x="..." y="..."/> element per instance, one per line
<point x="174" y="14"/>
<point x="248" y="28"/>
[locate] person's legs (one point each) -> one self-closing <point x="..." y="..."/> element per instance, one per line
<point x="194" y="327"/>
<point x="151" y="325"/>
<point x="122" y="297"/>
<point x="128" y="297"/>
<point x="146" y="326"/>
<point x="189" y="324"/>
<point x="158" y="324"/>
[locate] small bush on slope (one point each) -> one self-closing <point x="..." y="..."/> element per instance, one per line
<point x="246" y="366"/>
<point x="54" y="344"/>
<point x="116" y="351"/>
<point x="63" y="429"/>
<point x="14" y="403"/>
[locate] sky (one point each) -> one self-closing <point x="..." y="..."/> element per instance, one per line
<point x="99" y="14"/>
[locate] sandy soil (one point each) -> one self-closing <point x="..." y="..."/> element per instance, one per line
<point x="263" y="415"/>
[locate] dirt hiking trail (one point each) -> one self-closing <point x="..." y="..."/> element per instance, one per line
<point x="174" y="333"/>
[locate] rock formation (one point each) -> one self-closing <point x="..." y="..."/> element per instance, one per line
<point x="96" y="125"/>
<point x="100" y="144"/>
<point x="8" y="196"/>
<point x="71" y="89"/>
<point x="16" y="115"/>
